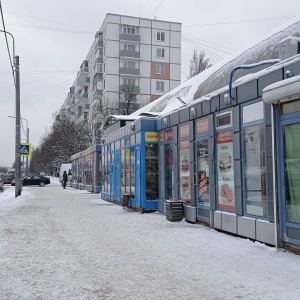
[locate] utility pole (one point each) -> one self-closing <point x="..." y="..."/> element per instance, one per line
<point x="18" y="131"/>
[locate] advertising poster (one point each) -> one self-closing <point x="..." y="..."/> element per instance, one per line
<point x="225" y="171"/>
<point x="184" y="165"/>
<point x="203" y="173"/>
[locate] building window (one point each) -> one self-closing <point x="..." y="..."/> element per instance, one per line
<point x="160" y="86"/>
<point x="130" y="29"/>
<point x="129" y="47"/>
<point x="160" y="52"/>
<point x="160" y="36"/>
<point x="129" y="81"/>
<point x="129" y="64"/>
<point x="160" y="69"/>
<point x="224" y="120"/>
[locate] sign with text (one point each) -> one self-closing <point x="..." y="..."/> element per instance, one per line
<point x="151" y="136"/>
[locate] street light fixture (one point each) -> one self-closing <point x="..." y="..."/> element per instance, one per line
<point x="27" y="141"/>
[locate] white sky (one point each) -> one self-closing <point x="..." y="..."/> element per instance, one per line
<point x="49" y="60"/>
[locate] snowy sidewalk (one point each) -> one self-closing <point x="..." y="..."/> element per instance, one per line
<point x="70" y="244"/>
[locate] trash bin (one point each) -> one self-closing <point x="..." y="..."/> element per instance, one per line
<point x="174" y="210"/>
<point x="125" y="200"/>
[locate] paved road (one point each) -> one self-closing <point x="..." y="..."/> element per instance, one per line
<point x="69" y="244"/>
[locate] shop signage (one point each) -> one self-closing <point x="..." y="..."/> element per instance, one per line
<point x="225" y="170"/>
<point x="202" y="125"/>
<point x="161" y="137"/>
<point x="184" y="131"/>
<point x="168" y="135"/>
<point x="151" y="136"/>
<point x="184" y="148"/>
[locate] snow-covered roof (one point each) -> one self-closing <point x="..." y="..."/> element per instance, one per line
<point x="216" y="78"/>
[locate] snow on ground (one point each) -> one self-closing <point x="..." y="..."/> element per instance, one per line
<point x="70" y="244"/>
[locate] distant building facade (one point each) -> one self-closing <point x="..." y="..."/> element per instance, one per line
<point x="132" y="62"/>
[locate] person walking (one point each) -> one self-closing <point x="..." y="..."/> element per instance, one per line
<point x="65" y="179"/>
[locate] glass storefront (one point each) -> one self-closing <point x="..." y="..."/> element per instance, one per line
<point x="203" y="173"/>
<point x="225" y="169"/>
<point x="151" y="151"/>
<point x="168" y="171"/>
<point x="292" y="171"/>
<point x="254" y="171"/>
<point x="184" y="165"/>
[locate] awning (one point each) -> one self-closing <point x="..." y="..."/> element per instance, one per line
<point x="282" y="91"/>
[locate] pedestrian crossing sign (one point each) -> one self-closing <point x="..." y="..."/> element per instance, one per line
<point x="25" y="149"/>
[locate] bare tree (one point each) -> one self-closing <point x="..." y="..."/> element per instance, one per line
<point x="65" y="139"/>
<point x="198" y="63"/>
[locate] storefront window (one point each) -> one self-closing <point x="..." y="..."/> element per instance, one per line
<point x="290" y="107"/>
<point x="108" y="173"/>
<point x="132" y="173"/>
<point x="184" y="165"/>
<point x="169" y="171"/>
<point x="151" y="171"/>
<point x="203" y="173"/>
<point x="127" y="170"/>
<point x="226" y="195"/>
<point x="123" y="172"/>
<point x="292" y="172"/>
<point x="254" y="170"/>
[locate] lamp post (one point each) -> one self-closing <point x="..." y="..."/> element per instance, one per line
<point x="17" y="117"/>
<point x="27" y="141"/>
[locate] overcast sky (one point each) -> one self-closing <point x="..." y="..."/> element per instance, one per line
<point x="53" y="37"/>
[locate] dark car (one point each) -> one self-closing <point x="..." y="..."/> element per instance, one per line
<point x="8" y="179"/>
<point x="35" y="180"/>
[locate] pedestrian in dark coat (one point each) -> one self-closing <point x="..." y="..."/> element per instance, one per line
<point x="65" y="179"/>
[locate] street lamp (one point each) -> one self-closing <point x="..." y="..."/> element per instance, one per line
<point x="16" y="70"/>
<point x="27" y="141"/>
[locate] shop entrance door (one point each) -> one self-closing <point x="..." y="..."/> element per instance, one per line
<point x="117" y="175"/>
<point x="137" y="164"/>
<point x="202" y="178"/>
<point x="290" y="177"/>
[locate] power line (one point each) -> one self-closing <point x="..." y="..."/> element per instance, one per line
<point x="3" y="87"/>
<point x="209" y="42"/>
<point x="40" y="93"/>
<point x="201" y="48"/>
<point x="11" y="64"/>
<point x="238" y="22"/>
<point x="43" y="19"/>
<point x="157" y="7"/>
<point x="49" y="28"/>
<point x="206" y="45"/>
<point x="41" y="72"/>
<point x="144" y="7"/>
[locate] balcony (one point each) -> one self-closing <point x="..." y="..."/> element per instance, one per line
<point x="86" y="107"/>
<point x="97" y="95"/>
<point x="132" y="89"/>
<point x="132" y="54"/>
<point x="130" y="106"/>
<point x="83" y="96"/>
<point x="130" y="71"/>
<point x="130" y="37"/>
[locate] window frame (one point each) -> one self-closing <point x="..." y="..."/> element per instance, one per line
<point x="244" y="125"/>
<point x="161" y="85"/>
<point x="160" y="36"/>
<point x="162" y="71"/>
<point x="160" y="52"/>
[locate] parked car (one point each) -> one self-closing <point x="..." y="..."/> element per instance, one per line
<point x="35" y="180"/>
<point x="1" y="185"/>
<point x="8" y="179"/>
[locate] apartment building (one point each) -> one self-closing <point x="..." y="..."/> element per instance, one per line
<point x="131" y="62"/>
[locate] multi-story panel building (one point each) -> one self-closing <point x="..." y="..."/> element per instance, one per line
<point x="131" y="62"/>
